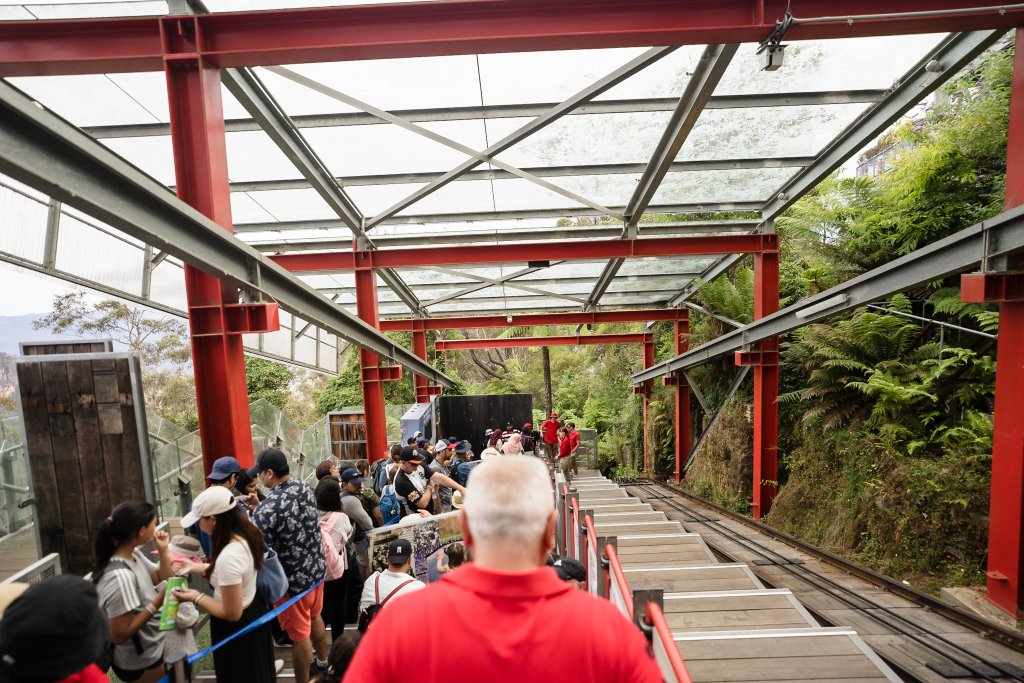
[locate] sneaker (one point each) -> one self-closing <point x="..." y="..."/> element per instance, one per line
<point x="315" y="669"/>
<point x="283" y="640"/>
<point x="278" y="666"/>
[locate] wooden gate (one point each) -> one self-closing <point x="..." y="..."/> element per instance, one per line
<point x="88" y="450"/>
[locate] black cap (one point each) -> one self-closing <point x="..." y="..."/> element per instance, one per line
<point x="410" y="454"/>
<point x="270" y="459"/>
<point x="63" y="609"/>
<point x="568" y="568"/>
<point x="352" y="476"/>
<point x="399" y="551"/>
<point x="463" y="447"/>
<point x="421" y="442"/>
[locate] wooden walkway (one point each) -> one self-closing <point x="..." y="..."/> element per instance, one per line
<point x="726" y="623"/>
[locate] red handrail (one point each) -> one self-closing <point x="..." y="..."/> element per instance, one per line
<point x="588" y="521"/>
<point x="656" y="618"/>
<point x="620" y="578"/>
<point x="575" y="529"/>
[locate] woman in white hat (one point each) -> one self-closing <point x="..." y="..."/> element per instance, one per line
<point x="237" y="555"/>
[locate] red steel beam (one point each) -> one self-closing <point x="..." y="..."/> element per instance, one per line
<point x="374" y="417"/>
<point x="766" y="389"/>
<point x="681" y="335"/>
<point x="290" y="36"/>
<point x="530" y="319"/>
<point x="1005" y="570"/>
<point x="568" y="250"/>
<point x="525" y="342"/>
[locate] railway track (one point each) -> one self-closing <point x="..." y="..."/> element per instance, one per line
<point x="921" y="637"/>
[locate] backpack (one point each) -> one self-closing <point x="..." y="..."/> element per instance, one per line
<point x="527" y="443"/>
<point x="335" y="560"/>
<point x="367" y="615"/>
<point x="390" y="508"/>
<point x="379" y="475"/>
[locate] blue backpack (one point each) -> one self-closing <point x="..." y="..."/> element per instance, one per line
<point x="390" y="508"/>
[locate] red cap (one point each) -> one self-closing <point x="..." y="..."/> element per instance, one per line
<point x="554" y="414"/>
<point x="527" y="426"/>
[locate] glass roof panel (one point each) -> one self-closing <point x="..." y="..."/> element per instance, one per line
<point x="416" y="83"/>
<point x="767" y="131"/>
<point x="91" y="100"/>
<point x="470" y="195"/>
<point x="76" y="9"/>
<point x="387" y="148"/>
<point x="742" y="185"/>
<point x="822" y="65"/>
<point x="666" y="265"/>
<point x="585" y="139"/>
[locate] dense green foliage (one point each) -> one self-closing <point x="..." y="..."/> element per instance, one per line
<point x="885" y="421"/>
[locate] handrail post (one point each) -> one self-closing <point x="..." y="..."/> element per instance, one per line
<point x="572" y="532"/>
<point x="581" y="538"/>
<point x="641" y="598"/>
<point x="604" y="579"/>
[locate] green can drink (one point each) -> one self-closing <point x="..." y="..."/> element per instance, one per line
<point x="169" y="611"/>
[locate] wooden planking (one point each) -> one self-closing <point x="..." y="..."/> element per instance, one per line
<point x="822" y="643"/>
<point x="71" y="508"/>
<point x="728" y="620"/>
<point x="628" y="517"/>
<point x="83" y="446"/>
<point x="625" y="529"/>
<point x="805" y="668"/>
<point x="667" y="559"/>
<point x="629" y="541"/>
<point x="50" y="348"/>
<point x="606" y="509"/>
<point x="724" y="603"/>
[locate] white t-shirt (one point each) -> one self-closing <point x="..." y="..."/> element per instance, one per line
<point x="389" y="581"/>
<point x="235" y="566"/>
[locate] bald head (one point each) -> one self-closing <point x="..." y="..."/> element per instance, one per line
<point x="509" y="503"/>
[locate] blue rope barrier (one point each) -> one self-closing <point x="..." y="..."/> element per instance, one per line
<point x="262" y="621"/>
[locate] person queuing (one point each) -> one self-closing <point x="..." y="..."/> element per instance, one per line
<point x="538" y="628"/>
<point x="224" y="472"/>
<point x="549" y="428"/>
<point x="450" y="558"/>
<point x="383" y="586"/>
<point x="514" y="445"/>
<point x="571" y="571"/>
<point x="238" y="548"/>
<point x="352" y="505"/>
<point x="417" y="485"/>
<point x="126" y="583"/>
<point x="291" y="526"/>
<point x="54" y="631"/>
<point x="574" y="444"/>
<point x="368" y="498"/>
<point x="438" y="464"/>
<point x="338" y="525"/>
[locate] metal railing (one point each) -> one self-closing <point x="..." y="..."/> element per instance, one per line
<point x="669" y="659"/>
<point x="39" y="570"/>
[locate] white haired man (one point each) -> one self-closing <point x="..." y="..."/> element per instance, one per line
<point x="530" y="625"/>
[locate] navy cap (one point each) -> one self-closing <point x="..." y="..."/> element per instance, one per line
<point x="399" y="551"/>
<point x="568" y="568"/>
<point x="421" y="442"/>
<point x="224" y="468"/>
<point x="351" y="476"/>
<point x="270" y="459"/>
<point x="463" y="447"/>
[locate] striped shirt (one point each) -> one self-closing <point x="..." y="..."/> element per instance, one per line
<point x="126" y="587"/>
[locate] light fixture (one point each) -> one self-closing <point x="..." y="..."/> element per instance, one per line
<point x="508" y="319"/>
<point x="771" y="57"/>
<point x="825" y="305"/>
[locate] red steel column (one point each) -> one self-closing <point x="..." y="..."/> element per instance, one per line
<point x="766" y="387"/>
<point x="1005" y="568"/>
<point x="419" y="347"/>
<point x="647" y="389"/>
<point x="201" y="175"/>
<point x="680" y="335"/>
<point x="373" y="384"/>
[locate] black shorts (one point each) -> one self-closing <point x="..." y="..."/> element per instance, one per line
<point x="129" y="675"/>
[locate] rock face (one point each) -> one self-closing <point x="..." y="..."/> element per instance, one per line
<point x="723" y="467"/>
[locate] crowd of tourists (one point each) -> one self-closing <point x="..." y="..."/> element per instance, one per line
<point x="264" y="539"/>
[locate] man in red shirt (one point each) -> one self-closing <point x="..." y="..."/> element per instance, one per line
<point x="550" y="429"/>
<point x="529" y="625"/>
<point x="574" y="444"/>
<point x="565" y="455"/>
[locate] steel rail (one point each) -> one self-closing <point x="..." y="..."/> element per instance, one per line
<point x="987" y="629"/>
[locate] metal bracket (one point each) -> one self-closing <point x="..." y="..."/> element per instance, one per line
<point x="641" y="598"/>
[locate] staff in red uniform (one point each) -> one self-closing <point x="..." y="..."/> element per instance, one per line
<point x="550" y="429"/>
<point x="529" y="625"/>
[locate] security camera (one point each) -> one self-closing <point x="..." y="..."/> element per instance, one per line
<point x="771" y="57"/>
